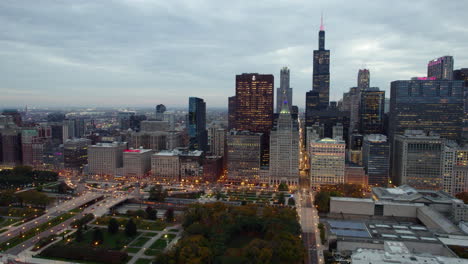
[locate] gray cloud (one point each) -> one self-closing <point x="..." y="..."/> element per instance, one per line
<point x="142" y="52"/>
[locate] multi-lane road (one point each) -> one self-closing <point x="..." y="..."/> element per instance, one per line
<point x="310" y="234"/>
<point x="52" y="212"/>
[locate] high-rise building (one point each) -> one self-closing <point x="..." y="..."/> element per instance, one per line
<point x="329" y="118"/>
<point x="312" y="101"/>
<point x="417" y="160"/>
<point x="254" y="107"/>
<point x="327" y="161"/>
<point x="371" y="111"/>
<point x="254" y="102"/>
<point x="232" y="112"/>
<point x="75" y="153"/>
<point x="197" y="124"/>
<point x="284" y="92"/>
<point x="363" y="79"/>
<point x="244" y="151"/>
<point x="430" y="105"/>
<point x="284" y="148"/>
<point x="321" y="70"/>
<point x="11" y="147"/>
<point x="160" y="109"/>
<point x="105" y="158"/>
<point x="218" y="141"/>
<point x="136" y="162"/>
<point x="461" y="75"/>
<point x="441" y="68"/>
<point x="376" y="159"/>
<point x="455" y="168"/>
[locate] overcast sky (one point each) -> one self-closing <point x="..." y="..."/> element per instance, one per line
<point x="145" y="52"/>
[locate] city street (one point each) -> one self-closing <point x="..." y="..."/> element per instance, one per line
<point x="310" y="234"/>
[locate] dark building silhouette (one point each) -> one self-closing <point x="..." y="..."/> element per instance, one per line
<point x="160" y="109"/>
<point x="376" y="159"/>
<point x="363" y="79"/>
<point x="231" y="112"/>
<point x="371" y="111"/>
<point x="254" y="102"/>
<point x="441" y="68"/>
<point x="197" y="124"/>
<point x="321" y="70"/>
<point x="429" y="105"/>
<point x="254" y="107"/>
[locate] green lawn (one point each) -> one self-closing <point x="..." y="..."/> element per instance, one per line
<point x="157" y="225"/>
<point x="174" y="230"/>
<point x="111" y="241"/>
<point x="161" y="243"/>
<point x="7" y="222"/>
<point x="139" y="242"/>
<point x="143" y="261"/>
<point x="152" y="252"/>
<point x="132" y="250"/>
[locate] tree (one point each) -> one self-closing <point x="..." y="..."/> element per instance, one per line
<point x="157" y="193"/>
<point x="291" y="202"/>
<point x="281" y="198"/>
<point x="151" y="213"/>
<point x="62" y="188"/>
<point x="283" y="187"/>
<point x="130" y="228"/>
<point x="322" y="201"/>
<point x="113" y="227"/>
<point x="98" y="236"/>
<point x="169" y="215"/>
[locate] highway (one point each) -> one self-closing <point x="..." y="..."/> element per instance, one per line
<point x="98" y="209"/>
<point x="50" y="214"/>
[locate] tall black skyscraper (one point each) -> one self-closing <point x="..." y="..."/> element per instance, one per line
<point x="321" y="73"/>
<point x="197" y="124"/>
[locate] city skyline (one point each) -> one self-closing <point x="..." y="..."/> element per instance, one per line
<point x="141" y="53"/>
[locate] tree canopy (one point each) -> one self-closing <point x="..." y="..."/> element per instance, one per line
<point x="220" y="233"/>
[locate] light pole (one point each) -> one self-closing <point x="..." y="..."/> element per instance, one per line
<point x="165" y="237"/>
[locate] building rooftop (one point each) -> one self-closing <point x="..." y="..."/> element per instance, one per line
<point x="350" y="199"/>
<point x="406" y="193"/>
<point x="179" y="152"/>
<point x="395" y="252"/>
<point x="137" y="151"/>
<point x="108" y="145"/>
<point x="329" y="141"/>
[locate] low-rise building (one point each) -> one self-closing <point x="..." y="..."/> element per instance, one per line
<point x="136" y="162"/>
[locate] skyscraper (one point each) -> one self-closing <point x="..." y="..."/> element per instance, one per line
<point x="197" y="124"/>
<point x="254" y="102"/>
<point x="244" y="155"/>
<point x="430" y="105"/>
<point x="321" y="71"/>
<point x="363" y="79"/>
<point x="284" y="92"/>
<point x="232" y="112"/>
<point x="441" y="68"/>
<point x="160" y="109"/>
<point x="376" y="159"/>
<point x="284" y="148"/>
<point x="371" y="111"/>
<point x="417" y="160"/>
<point x="327" y="161"/>
<point x="254" y="107"/>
